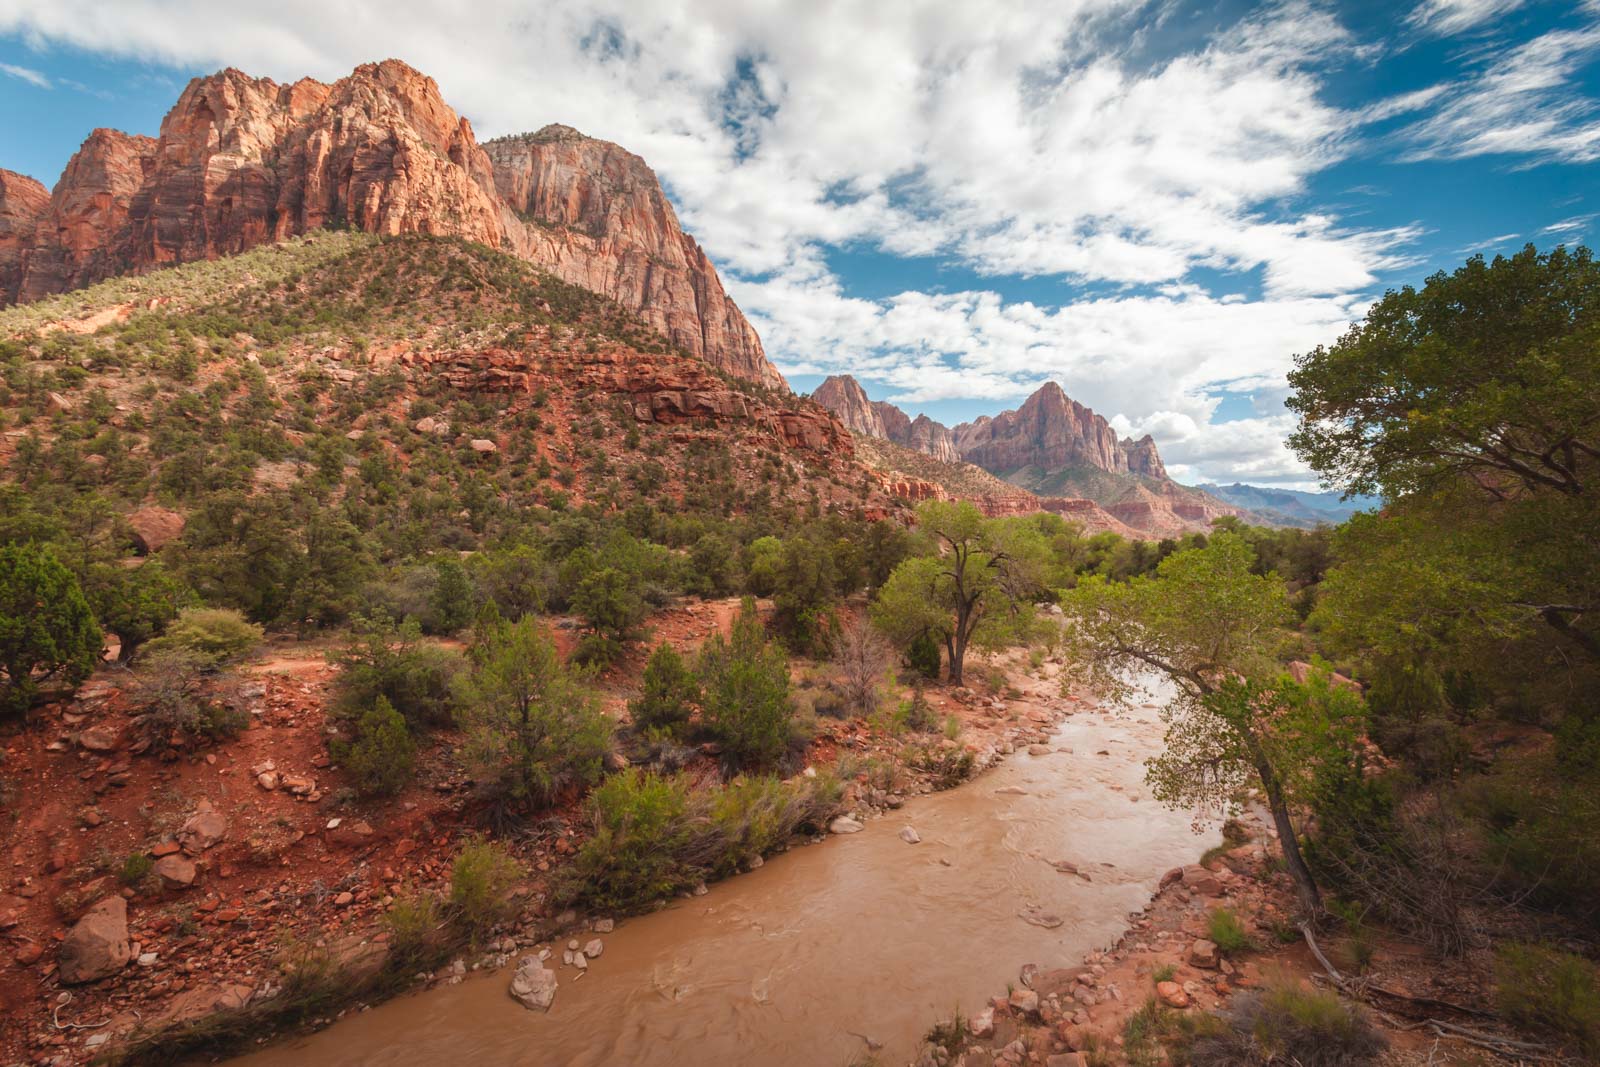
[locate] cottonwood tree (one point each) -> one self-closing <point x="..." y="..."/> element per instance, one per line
<point x="977" y="590"/>
<point x="1214" y="630"/>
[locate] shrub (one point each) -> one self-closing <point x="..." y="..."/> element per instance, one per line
<point x="1227" y="932"/>
<point x="862" y="656"/>
<point x="388" y="662"/>
<point x="414" y="923"/>
<point x="135" y="869"/>
<point x="381" y="754"/>
<point x="640" y="830"/>
<point x="947" y="765"/>
<point x="746" y="684"/>
<point x="669" y="695"/>
<point x="918" y="715"/>
<point x="1547" y="991"/>
<point x="534" y="729"/>
<point x="451" y="605"/>
<point x="480" y="887"/>
<point x="169" y="691"/>
<point x="220" y="635"/>
<point x="1291" y="1024"/>
<point x="46" y="626"/>
<point x="923" y="655"/>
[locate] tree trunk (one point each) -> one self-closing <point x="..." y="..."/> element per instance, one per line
<point x="1305" y="885"/>
<point x="955" y="659"/>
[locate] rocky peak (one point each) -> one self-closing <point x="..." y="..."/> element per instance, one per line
<point x="843" y="395"/>
<point x="241" y="161"/>
<point x="1051" y="431"/>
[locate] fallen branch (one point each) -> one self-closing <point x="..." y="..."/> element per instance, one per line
<point x="1360" y="991"/>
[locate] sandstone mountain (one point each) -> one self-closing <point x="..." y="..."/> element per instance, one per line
<point x="244" y="161"/>
<point x="1057" y="454"/>
<point x="843" y="395"/>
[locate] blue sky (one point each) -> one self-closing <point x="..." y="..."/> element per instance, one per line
<point x="1155" y="203"/>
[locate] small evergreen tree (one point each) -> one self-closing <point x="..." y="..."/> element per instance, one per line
<point x="47" y="630"/>
<point x="746" y="683"/>
<point x="670" y="693"/>
<point x="382" y="754"/>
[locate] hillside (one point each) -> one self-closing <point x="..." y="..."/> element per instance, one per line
<point x="1292" y="507"/>
<point x="243" y="161"/>
<point x="425" y="390"/>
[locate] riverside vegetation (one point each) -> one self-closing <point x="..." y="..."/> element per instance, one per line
<point x="485" y="608"/>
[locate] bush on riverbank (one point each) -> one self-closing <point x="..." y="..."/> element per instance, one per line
<point x="654" y="836"/>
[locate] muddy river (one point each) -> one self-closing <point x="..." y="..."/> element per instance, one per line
<point x="860" y="936"/>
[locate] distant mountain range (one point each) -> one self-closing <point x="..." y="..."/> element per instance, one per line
<point x="1293" y="507"/>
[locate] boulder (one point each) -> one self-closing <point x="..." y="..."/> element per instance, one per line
<point x="982" y="1024"/>
<point x="593" y="948"/>
<point x="845" y="824"/>
<point x="97" y="945"/>
<point x="154" y="528"/>
<point x="101" y="737"/>
<point x="1025" y="1001"/>
<point x="1197" y="879"/>
<point x="203" y="829"/>
<point x="909" y="835"/>
<point x="1204" y="954"/>
<point x="480" y="444"/>
<point x="175" y="871"/>
<point x="533" y="985"/>
<point x="1172" y="994"/>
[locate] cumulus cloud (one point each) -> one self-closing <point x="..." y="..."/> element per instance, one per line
<point x="1010" y="138"/>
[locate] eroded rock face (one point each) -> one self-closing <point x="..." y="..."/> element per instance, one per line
<point x="242" y="161"/>
<point x="603" y="222"/>
<point x="843" y="395"/>
<point x="1050" y="430"/>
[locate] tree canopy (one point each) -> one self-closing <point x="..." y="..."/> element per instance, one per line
<point x="46" y="628"/>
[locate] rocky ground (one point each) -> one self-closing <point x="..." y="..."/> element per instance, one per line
<point x="150" y="886"/>
<point x="1078" y="1016"/>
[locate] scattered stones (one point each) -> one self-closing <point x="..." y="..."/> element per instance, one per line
<point x="97" y="945"/>
<point x="1172" y="994"/>
<point x="533" y="985"/>
<point x="1025" y="1001"/>
<point x="593" y="948"/>
<point x="909" y="835"/>
<point x="205" y="828"/>
<point x="103" y="737"/>
<point x="845" y="824"/>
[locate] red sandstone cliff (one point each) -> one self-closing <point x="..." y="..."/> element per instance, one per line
<point x="843" y="395"/>
<point x="241" y="161"/>
<point x="1050" y="431"/>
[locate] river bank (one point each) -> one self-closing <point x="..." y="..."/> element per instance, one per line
<point x="824" y="954"/>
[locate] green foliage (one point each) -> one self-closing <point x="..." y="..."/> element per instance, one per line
<point x="481" y="879"/>
<point x="804" y="588"/>
<point x="452" y="600"/>
<point x="977" y="590"/>
<point x="169" y="689"/>
<point x="746" y="685"/>
<point x="414" y="924"/>
<point x="1227" y="932"/>
<point x="1488" y="371"/>
<point x="1549" y="993"/>
<point x="1287" y="1023"/>
<point x="135" y="869"/>
<point x="923" y="654"/>
<point x="393" y="664"/>
<point x="654" y="836"/>
<point x="381" y="754"/>
<point x="763" y="559"/>
<point x="611" y="602"/>
<point x="136" y="604"/>
<point x="47" y="629"/>
<point x="517" y="580"/>
<point x="534" y="729"/>
<point x="670" y="693"/>
<point x="217" y="635"/>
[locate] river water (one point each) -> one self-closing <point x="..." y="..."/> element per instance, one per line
<point x="860" y="935"/>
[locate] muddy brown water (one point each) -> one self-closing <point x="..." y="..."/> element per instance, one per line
<point x="859" y="936"/>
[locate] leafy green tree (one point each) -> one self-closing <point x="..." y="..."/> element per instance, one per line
<point x="762" y="559"/>
<point x="669" y="695"/>
<point x="47" y="630"/>
<point x="517" y="579"/>
<point x="713" y="566"/>
<point x="611" y="602"/>
<point x="534" y="729"/>
<point x="136" y="604"/>
<point x="1487" y="373"/>
<point x="392" y="663"/>
<point x="978" y="590"/>
<point x="746" y="683"/>
<point x="381" y="753"/>
<point x="804" y="589"/>
<point x="1214" y="629"/>
<point x="452" y="601"/>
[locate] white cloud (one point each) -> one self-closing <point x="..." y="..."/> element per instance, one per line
<point x="1010" y="137"/>
<point x="32" y="77"/>
<point x="1525" y="102"/>
<point x="1448" y="17"/>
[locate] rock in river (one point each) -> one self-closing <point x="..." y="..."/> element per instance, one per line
<point x="534" y="984"/>
<point x="844" y="824"/>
